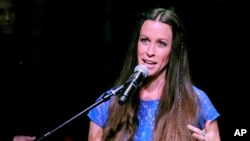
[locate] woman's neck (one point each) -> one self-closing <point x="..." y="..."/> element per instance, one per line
<point x="153" y="89"/>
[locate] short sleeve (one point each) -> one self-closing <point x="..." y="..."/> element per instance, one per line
<point x="99" y="114"/>
<point x="208" y="111"/>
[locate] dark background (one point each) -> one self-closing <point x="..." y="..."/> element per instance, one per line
<point x="80" y="50"/>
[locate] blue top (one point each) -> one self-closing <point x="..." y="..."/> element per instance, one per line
<point x="146" y="115"/>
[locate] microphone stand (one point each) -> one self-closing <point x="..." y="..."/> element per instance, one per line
<point x="106" y="96"/>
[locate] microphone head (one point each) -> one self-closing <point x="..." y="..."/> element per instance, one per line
<point x="143" y="69"/>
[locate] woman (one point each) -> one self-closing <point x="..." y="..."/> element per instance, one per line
<point x="167" y="106"/>
<point x="11" y="70"/>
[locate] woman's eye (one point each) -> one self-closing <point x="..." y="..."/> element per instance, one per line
<point x="1" y="12"/>
<point x="162" y="44"/>
<point x="144" y="40"/>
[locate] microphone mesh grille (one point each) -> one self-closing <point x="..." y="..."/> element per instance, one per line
<point x="143" y="69"/>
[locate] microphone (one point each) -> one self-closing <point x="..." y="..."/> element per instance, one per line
<point x="134" y="81"/>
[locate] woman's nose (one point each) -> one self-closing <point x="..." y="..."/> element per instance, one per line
<point x="7" y="16"/>
<point x="150" y="50"/>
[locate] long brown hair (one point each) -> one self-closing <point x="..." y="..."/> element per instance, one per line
<point x="177" y="105"/>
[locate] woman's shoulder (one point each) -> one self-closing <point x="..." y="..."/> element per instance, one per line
<point x="200" y="93"/>
<point x="209" y="111"/>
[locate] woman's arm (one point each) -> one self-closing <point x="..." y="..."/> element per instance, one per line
<point x="212" y="131"/>
<point x="24" y="138"/>
<point x="95" y="132"/>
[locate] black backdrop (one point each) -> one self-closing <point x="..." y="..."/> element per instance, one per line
<point x="80" y="54"/>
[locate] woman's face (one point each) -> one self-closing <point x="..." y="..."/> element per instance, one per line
<point x="154" y="47"/>
<point x="7" y="16"/>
